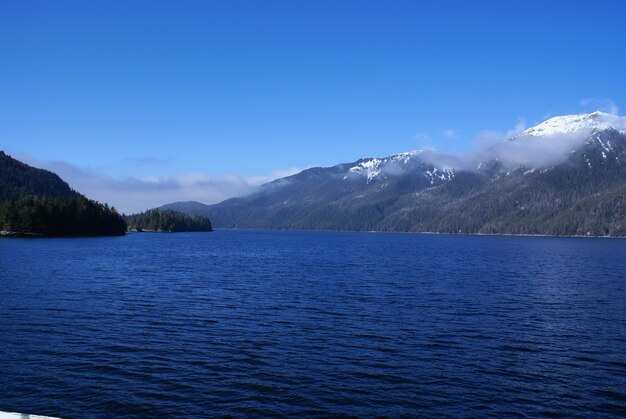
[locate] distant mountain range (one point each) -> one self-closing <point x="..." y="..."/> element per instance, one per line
<point x="565" y="176"/>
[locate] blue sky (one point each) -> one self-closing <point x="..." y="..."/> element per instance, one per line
<point x="149" y="96"/>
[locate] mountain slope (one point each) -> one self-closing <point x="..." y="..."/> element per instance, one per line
<point x="18" y="179"/>
<point x="39" y="203"/>
<point x="347" y="196"/>
<point x="565" y="176"/>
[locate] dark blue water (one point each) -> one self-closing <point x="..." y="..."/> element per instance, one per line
<point x="278" y="323"/>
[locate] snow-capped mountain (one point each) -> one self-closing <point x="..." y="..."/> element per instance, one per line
<point x="585" y="123"/>
<point x="583" y="192"/>
<point x="372" y="168"/>
<point x="398" y="164"/>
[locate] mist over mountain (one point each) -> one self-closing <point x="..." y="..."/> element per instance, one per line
<point x="565" y="176"/>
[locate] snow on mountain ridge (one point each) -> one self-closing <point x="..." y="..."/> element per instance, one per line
<point x="373" y="167"/>
<point x="566" y="134"/>
<point x="398" y="164"/>
<point x="570" y="124"/>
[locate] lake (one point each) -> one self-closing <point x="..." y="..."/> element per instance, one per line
<point x="259" y="323"/>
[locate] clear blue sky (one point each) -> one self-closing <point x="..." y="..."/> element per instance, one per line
<point x="137" y="89"/>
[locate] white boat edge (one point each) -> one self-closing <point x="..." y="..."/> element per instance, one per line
<point x="15" y="415"/>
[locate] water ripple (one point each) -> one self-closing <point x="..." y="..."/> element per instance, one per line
<point x="313" y="324"/>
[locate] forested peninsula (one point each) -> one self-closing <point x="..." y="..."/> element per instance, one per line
<point x="158" y="220"/>
<point x="59" y="217"/>
<point x="38" y="203"/>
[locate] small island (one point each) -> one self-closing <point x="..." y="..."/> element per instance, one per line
<point x="158" y="220"/>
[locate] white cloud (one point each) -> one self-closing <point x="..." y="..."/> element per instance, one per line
<point x="133" y="194"/>
<point x="275" y="174"/>
<point x="488" y="137"/>
<point x="531" y="151"/>
<point x="599" y="104"/>
<point x="523" y="151"/>
<point x="520" y="126"/>
<point x="450" y="133"/>
<point x="422" y="141"/>
<point x="148" y="161"/>
<point x="422" y="137"/>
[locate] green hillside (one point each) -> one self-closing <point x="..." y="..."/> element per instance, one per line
<point x="37" y="202"/>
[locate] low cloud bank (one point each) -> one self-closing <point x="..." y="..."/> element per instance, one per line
<point x="519" y="150"/>
<point x="512" y="148"/>
<point x="133" y="194"/>
<point x="509" y="148"/>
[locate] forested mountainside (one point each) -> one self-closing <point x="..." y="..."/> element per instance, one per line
<point x="37" y="202"/>
<point x="18" y="180"/>
<point x="581" y="190"/>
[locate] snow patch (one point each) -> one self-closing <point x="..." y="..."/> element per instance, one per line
<point x="374" y="167"/>
<point x="580" y="123"/>
<point x="445" y="174"/>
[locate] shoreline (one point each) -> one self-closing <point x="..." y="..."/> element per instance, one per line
<point x="26" y="235"/>
<point x="431" y="233"/>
